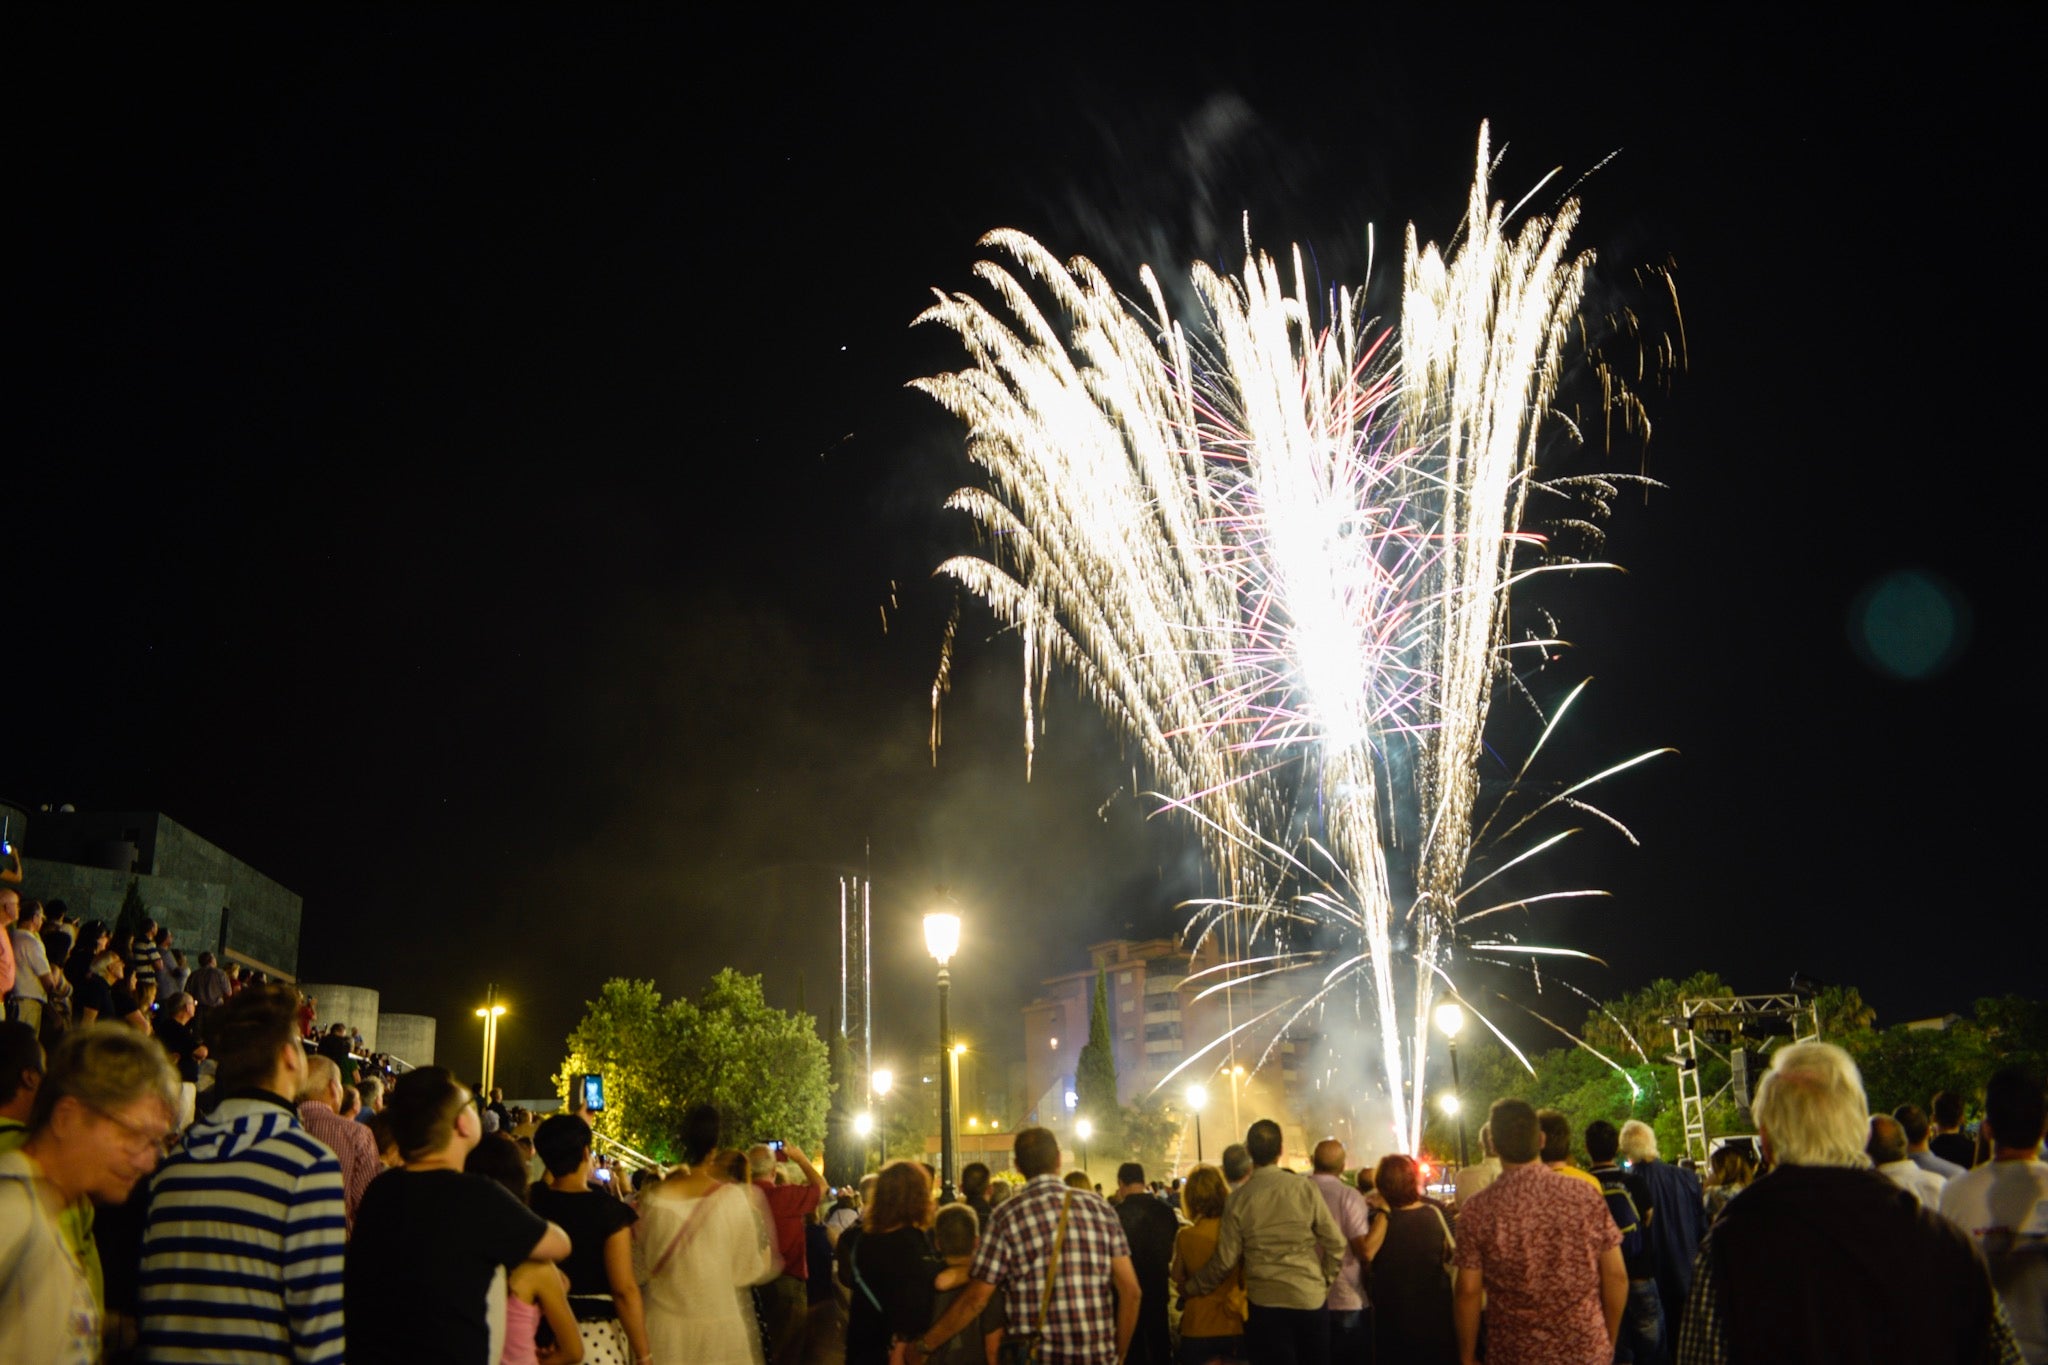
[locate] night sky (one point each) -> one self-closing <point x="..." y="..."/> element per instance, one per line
<point x="461" y="465"/>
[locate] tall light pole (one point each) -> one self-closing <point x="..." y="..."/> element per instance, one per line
<point x="1197" y="1097"/>
<point x="490" y="1014"/>
<point x="1450" y="1017"/>
<point x="880" y="1083"/>
<point x="953" y="1056"/>
<point x="942" y="937"/>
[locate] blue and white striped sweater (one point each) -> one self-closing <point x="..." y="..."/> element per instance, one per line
<point x="243" y="1253"/>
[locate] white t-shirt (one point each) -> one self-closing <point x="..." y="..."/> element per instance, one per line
<point x="31" y="965"/>
<point x="1924" y="1186"/>
<point x="2003" y="1205"/>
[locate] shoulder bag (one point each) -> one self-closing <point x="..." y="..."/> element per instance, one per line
<point x="1023" y="1350"/>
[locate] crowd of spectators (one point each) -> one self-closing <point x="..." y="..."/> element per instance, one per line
<point x="313" y="1210"/>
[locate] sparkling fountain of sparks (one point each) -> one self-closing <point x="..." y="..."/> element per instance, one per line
<point x="1279" y="557"/>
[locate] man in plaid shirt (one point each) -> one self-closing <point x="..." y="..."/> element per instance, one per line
<point x="1093" y="1309"/>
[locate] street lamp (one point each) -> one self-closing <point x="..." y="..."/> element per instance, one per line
<point x="942" y="938"/>
<point x="1084" y="1130"/>
<point x="1450" y="1017"/>
<point x="880" y="1083"/>
<point x="490" y="1012"/>
<point x="1197" y="1097"/>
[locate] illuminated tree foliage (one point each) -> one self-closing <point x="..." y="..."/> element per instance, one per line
<point x="1095" y="1071"/>
<point x="766" y="1069"/>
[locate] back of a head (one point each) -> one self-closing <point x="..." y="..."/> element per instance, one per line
<point x="246" y="1035"/>
<point x="1948" y="1108"/>
<point x="2014" y="1108"/>
<point x="974" y="1178"/>
<point x="106" y="1068"/>
<point x="701" y="1128"/>
<point x="1328" y="1157"/>
<point x="1078" y="1180"/>
<point x="19" y="1052"/>
<point x="1486" y="1139"/>
<point x="1130" y="1173"/>
<point x="1204" y="1193"/>
<point x="372" y="1088"/>
<point x="1810" y="1107"/>
<point x="1262" y="1140"/>
<point x="1603" y="1141"/>
<point x="867" y="1187"/>
<point x="321" y="1073"/>
<point x="903" y="1197"/>
<point x="1638" y="1142"/>
<point x="498" y="1158"/>
<point x="1887" y="1140"/>
<point x="560" y="1142"/>
<point x="1036" y="1152"/>
<point x="1913" y="1119"/>
<point x="956" y="1230"/>
<point x="423" y="1109"/>
<point x="1557" y="1134"/>
<point x="1237" y="1163"/>
<point x="760" y="1162"/>
<point x="1398" y="1179"/>
<point x="1516" y="1136"/>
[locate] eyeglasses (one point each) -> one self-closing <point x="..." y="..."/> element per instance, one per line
<point x="138" y="1137"/>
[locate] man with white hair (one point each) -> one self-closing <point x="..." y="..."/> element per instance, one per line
<point x="1674" y="1214"/>
<point x="1825" y="1259"/>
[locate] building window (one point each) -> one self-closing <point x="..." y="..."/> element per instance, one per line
<point x="1124" y="979"/>
<point x="1126" y="1007"/>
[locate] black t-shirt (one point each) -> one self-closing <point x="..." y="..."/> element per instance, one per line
<point x="590" y="1218"/>
<point x="420" y="1264"/>
<point x="94" y="994"/>
<point x="891" y="1274"/>
<point x="1955" y="1147"/>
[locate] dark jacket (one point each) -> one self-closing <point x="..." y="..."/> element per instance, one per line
<point x="1841" y="1265"/>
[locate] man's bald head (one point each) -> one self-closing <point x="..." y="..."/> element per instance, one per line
<point x="1329" y="1157"/>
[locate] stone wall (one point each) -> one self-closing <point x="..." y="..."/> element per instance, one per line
<point x="408" y="1037"/>
<point x="355" y="1006"/>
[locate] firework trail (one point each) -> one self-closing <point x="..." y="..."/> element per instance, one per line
<point x="1278" y="555"/>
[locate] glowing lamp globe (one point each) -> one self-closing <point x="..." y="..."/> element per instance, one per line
<point x="1197" y="1097"/>
<point x="1450" y="1017"/>
<point x="942" y="935"/>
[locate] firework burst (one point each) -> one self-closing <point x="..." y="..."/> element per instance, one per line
<point x="1279" y="553"/>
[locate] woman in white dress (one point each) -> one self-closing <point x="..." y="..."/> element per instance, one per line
<point x="702" y="1243"/>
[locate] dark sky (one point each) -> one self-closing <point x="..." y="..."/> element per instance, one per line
<point x="459" y="464"/>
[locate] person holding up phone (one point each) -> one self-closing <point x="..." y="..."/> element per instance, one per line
<point x="786" y="1299"/>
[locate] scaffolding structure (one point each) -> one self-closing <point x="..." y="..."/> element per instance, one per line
<point x="1717" y="1025"/>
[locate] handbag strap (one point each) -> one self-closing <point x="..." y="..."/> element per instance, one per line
<point x="1450" y="1243"/>
<point x="858" y="1278"/>
<point x="1052" y="1267"/>
<point x="676" y="1241"/>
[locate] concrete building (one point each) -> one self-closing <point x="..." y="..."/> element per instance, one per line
<point x="1162" y="1013"/>
<point x="209" y="898"/>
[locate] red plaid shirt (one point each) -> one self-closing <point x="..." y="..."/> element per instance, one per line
<point x="1080" y="1325"/>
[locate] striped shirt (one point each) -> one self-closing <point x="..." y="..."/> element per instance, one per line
<point x="242" y="1255"/>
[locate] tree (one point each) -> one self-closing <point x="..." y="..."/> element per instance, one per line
<point x="1149" y="1128"/>
<point x="766" y="1070"/>
<point x="1095" y="1071"/>
<point x="133" y="911"/>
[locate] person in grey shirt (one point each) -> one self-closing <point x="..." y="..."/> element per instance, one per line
<point x="1279" y="1226"/>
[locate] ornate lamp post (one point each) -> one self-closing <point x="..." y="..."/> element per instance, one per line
<point x="1450" y="1017"/>
<point x="942" y="938"/>
<point x="1197" y="1097"/>
<point x="1084" y="1130"/>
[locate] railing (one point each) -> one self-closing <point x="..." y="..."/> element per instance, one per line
<point x="623" y="1155"/>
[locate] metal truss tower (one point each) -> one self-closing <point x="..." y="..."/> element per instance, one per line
<point x="1717" y="1025"/>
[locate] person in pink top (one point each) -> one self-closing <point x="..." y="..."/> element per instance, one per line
<point x="352" y="1144"/>
<point x="1542" y="1253"/>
